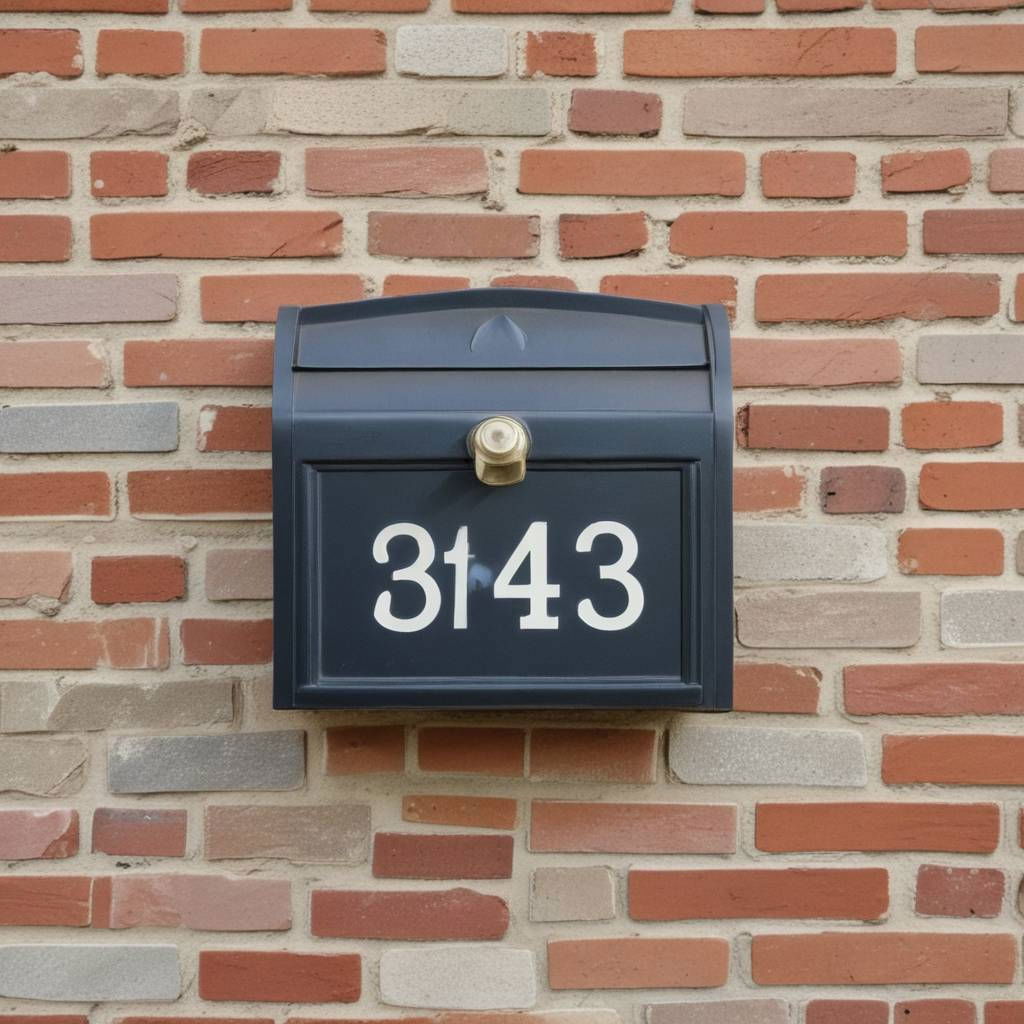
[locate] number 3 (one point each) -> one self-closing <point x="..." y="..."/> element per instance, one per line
<point x="618" y="571"/>
<point x="415" y="573"/>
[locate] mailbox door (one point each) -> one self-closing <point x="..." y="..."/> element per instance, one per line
<point x="589" y="584"/>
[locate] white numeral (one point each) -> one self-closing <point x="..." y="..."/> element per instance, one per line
<point x="415" y="573"/>
<point x="618" y="571"/>
<point x="459" y="556"/>
<point x="534" y="547"/>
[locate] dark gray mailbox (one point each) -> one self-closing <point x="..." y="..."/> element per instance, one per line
<point x="503" y="498"/>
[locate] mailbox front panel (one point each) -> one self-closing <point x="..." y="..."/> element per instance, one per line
<point x="401" y="580"/>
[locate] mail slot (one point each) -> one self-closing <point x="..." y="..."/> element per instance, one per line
<point x="502" y="498"/>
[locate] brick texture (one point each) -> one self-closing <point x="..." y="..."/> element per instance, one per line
<point x="844" y="177"/>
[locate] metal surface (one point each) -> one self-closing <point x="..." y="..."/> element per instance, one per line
<point x="601" y="579"/>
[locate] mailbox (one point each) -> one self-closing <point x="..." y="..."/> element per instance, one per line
<point x="502" y="498"/>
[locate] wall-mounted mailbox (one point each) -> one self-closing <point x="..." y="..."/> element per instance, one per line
<point x="503" y="498"/>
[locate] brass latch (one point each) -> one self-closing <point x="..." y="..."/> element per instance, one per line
<point x="499" y="446"/>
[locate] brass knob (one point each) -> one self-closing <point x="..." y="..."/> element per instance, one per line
<point x="499" y="446"/>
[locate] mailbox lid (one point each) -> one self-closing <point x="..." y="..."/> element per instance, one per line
<point x="507" y="328"/>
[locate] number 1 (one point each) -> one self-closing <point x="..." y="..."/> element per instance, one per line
<point x="458" y="555"/>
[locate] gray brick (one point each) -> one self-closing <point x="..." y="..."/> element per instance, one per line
<point x="90" y="973"/>
<point x="720" y="1011"/>
<point x="800" y="112"/>
<point x="186" y="764"/>
<point x="797" y="552"/>
<point x="832" y="618"/>
<point x="77" y="112"/>
<point x="121" y="427"/>
<point x="390" y="108"/>
<point x="88" y="298"/>
<point x="226" y="112"/>
<point x="41" y="767"/>
<point x="239" y="574"/>
<point x="982" y="618"/>
<point x="971" y="359"/>
<point x="451" y="51"/>
<point x="572" y="894"/>
<point x="713" y="755"/>
<point x="47" y="706"/>
<point x="333" y="834"/>
<point x="457" y="977"/>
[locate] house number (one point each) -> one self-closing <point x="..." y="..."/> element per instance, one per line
<point x="538" y="592"/>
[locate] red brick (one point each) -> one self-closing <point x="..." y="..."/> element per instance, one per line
<point x="28" y="574"/>
<point x="561" y="6"/>
<point x="959" y="892"/>
<point x="450" y="236"/>
<point x="1005" y="170"/>
<point x="593" y="755"/>
<point x="856" y="894"/>
<point x="234" y="235"/>
<point x="1004" y="1011"/>
<point x="856" y="490"/>
<point x="45" y="900"/>
<point x="563" y="826"/>
<point x="119" y="579"/>
<point x="729" y="6"/>
<point x="480" y="751"/>
<point x="38" y="835"/>
<point x="610" y="172"/>
<point x="128" y="175"/>
<point x="847" y="1011"/>
<point x="560" y="54"/>
<point x="234" y="428"/>
<point x="972" y="486"/>
<point x="292" y="51"/>
<point x="199" y="493"/>
<point x="138" y="832"/>
<point x="365" y="749"/>
<point x="549" y="281"/>
<point x="82" y="495"/>
<point x="974" y="231"/>
<point x="216" y="362"/>
<point x="808" y="175"/>
<point x="257" y="297"/>
<point x="837" y="428"/>
<point x="953" y="760"/>
<point x="404" y="171"/>
<point x="950" y="552"/>
<point x="417" y="284"/>
<point x="693" y="289"/>
<point x="127" y="51"/>
<point x="227" y="172"/>
<point x="883" y="958"/>
<point x="817" y="6"/>
<point x="774" y="688"/>
<point x="935" y="1011"/>
<point x="252" y="976"/>
<point x="928" y="171"/>
<point x="450" y="915"/>
<point x="415" y="855"/>
<point x="55" y="52"/>
<point x="614" y="112"/>
<point x="232" y="6"/>
<point x="969" y="49"/>
<point x="867" y="297"/>
<point x="735" y="52"/>
<point x="767" y="489"/>
<point x="935" y="689"/>
<point x="877" y="827"/>
<point x="35" y="174"/>
<point x="386" y="6"/>
<point x="947" y="425"/>
<point x="226" y="641"/>
<point x="637" y="963"/>
<point x="52" y="364"/>
<point x="64" y="644"/>
<point x="464" y="811"/>
<point x="598" y="235"/>
<point x="781" y="234"/>
<point x="1018" y="300"/>
<point x="805" y="363"/>
<point x="34" y="238"/>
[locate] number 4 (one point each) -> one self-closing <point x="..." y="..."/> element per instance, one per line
<point x="533" y="547"/>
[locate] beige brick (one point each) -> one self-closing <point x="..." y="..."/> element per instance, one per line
<point x="572" y="894"/>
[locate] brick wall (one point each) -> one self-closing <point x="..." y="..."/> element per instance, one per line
<point x="843" y="849"/>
